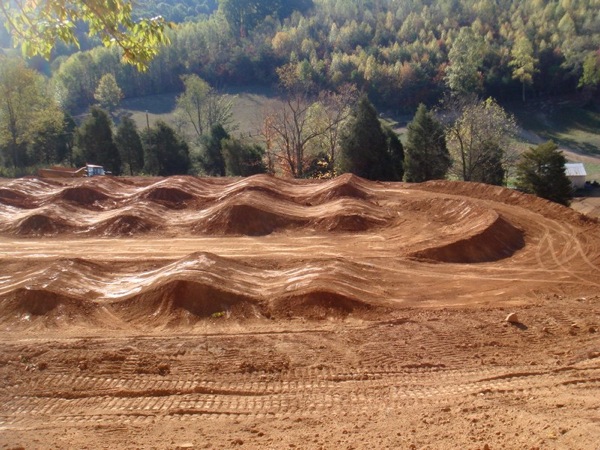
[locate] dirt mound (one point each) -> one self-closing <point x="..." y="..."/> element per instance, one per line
<point x="317" y="304"/>
<point x="24" y="307"/>
<point x="126" y="225"/>
<point x="507" y="196"/>
<point x="247" y="219"/>
<point x="344" y="186"/>
<point x="185" y="302"/>
<point x="169" y="196"/>
<point x="497" y="240"/>
<point x="14" y="198"/>
<point x="41" y="225"/>
<point x="349" y="222"/>
<point x="82" y="195"/>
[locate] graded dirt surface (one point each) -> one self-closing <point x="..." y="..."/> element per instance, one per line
<point x="267" y="313"/>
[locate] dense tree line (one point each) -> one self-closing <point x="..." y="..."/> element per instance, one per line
<point x="401" y="53"/>
<point x="321" y="54"/>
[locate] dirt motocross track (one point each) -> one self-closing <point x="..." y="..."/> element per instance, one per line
<point x="268" y="313"/>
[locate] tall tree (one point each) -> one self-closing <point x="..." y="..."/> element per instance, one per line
<point x="129" y="143"/>
<point x="590" y="78"/>
<point x="242" y="15"/>
<point x="465" y="58"/>
<point x="541" y="171"/>
<point x="165" y="153"/>
<point x="38" y="25"/>
<point x="95" y="141"/>
<point x="202" y="108"/>
<point x="22" y="99"/>
<point x="108" y="93"/>
<point x="212" y="159"/>
<point x="364" y="144"/>
<point x="47" y="142"/>
<point x="478" y="134"/>
<point x="523" y="62"/>
<point x="395" y="151"/>
<point x="426" y="154"/>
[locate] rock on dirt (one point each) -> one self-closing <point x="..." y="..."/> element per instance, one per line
<point x="512" y="318"/>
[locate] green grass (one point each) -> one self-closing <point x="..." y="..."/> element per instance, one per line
<point x="575" y="128"/>
<point x="249" y="105"/>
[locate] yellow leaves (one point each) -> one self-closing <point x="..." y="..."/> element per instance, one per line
<point x="36" y="27"/>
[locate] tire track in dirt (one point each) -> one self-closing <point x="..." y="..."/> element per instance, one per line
<point x="146" y="400"/>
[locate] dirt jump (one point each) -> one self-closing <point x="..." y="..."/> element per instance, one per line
<point x="186" y="312"/>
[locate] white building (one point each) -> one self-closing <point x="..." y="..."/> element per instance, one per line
<point x="576" y="173"/>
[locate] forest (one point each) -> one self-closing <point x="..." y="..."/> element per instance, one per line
<point x="399" y="54"/>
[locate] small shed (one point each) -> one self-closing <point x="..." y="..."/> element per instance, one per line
<point x="576" y="173"/>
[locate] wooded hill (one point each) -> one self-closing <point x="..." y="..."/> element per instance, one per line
<point x="401" y="53"/>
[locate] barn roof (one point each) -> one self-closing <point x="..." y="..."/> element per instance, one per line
<point x="575" y="170"/>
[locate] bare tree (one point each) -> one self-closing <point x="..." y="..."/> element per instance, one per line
<point x="301" y="125"/>
<point x="479" y="134"/>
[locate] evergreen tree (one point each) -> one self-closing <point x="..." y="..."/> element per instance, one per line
<point x="130" y="147"/>
<point x="364" y="145"/>
<point x="95" y="141"/>
<point x="396" y="154"/>
<point x="426" y="155"/>
<point x="243" y="159"/>
<point x="212" y="160"/>
<point x="165" y="153"/>
<point x="541" y="171"/>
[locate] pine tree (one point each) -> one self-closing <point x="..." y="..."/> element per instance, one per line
<point x="212" y="159"/>
<point x="130" y="147"/>
<point x="243" y="159"/>
<point x="364" y="145"/>
<point x="396" y="154"/>
<point x="95" y="141"/>
<point x="541" y="171"/>
<point x="426" y="155"/>
<point x="165" y="153"/>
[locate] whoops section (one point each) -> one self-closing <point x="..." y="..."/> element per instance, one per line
<point x="176" y="252"/>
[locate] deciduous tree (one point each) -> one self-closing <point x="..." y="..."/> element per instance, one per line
<point x="22" y="100"/>
<point x="108" y="93"/>
<point x="478" y="134"/>
<point x="465" y="58"/>
<point x="38" y="25"/>
<point x="202" y="108"/>
<point x="523" y="62"/>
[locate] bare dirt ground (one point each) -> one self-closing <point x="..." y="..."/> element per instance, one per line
<point x="264" y="313"/>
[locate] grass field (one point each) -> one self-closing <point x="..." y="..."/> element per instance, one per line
<point x="248" y="108"/>
<point x="575" y="129"/>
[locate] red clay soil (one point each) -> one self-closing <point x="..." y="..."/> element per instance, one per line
<point x="264" y="313"/>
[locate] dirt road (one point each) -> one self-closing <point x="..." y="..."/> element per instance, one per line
<point x="261" y="313"/>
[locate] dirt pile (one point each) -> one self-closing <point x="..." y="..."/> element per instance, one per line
<point x="42" y="224"/>
<point x="42" y="308"/>
<point x="83" y="195"/>
<point x="319" y="250"/>
<point x="325" y="314"/>
<point x="495" y="240"/>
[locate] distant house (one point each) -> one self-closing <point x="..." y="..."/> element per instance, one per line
<point x="576" y="173"/>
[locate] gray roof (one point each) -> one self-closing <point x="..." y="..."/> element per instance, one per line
<point x="575" y="170"/>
